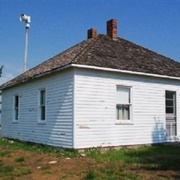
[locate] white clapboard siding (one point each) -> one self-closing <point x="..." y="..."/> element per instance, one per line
<point x="95" y="109"/>
<point x="81" y="110"/>
<point x="57" y="130"/>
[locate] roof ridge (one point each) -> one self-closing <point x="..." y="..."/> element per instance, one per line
<point x="89" y="45"/>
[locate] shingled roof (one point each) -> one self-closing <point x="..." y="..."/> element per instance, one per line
<point x="104" y="51"/>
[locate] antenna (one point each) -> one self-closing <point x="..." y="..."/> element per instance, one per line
<point x="27" y="20"/>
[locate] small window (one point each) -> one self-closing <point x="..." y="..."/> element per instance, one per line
<point x="170" y="102"/>
<point x="16" y="107"/>
<point x="123" y="103"/>
<point x="42" y="105"/>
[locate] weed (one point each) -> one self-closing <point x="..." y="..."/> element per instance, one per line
<point x="21" y="171"/>
<point x="5" y="154"/>
<point x="90" y="175"/>
<point x="108" y="173"/>
<point x="67" y="153"/>
<point x="19" y="159"/>
<point x="5" y="170"/>
<point x="45" y="168"/>
<point x="10" y="171"/>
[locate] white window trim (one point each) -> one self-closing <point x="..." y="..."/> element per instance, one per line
<point x="40" y="121"/>
<point x="14" y="111"/>
<point x="128" y="121"/>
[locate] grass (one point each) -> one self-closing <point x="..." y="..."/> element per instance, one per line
<point x="145" y="162"/>
<point x="19" y="159"/>
<point x="153" y="157"/>
<point x="11" y="171"/>
<point x="5" y="154"/>
<point x="38" y="148"/>
<point x="117" y="162"/>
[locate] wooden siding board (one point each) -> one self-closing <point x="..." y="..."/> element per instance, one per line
<point x="96" y="114"/>
<point x="59" y="93"/>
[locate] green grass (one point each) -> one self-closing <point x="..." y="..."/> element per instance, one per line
<point x="123" y="163"/>
<point x="90" y="174"/>
<point x="161" y="157"/>
<point x="5" y="154"/>
<point x="111" y="172"/>
<point x="38" y="148"/>
<point x="7" y="170"/>
<point x="19" y="159"/>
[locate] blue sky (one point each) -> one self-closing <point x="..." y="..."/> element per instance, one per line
<point x="59" y="24"/>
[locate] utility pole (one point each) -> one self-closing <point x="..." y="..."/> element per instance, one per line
<point x="0" y="98"/>
<point x="27" y="20"/>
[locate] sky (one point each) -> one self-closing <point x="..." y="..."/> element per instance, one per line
<point x="57" y="25"/>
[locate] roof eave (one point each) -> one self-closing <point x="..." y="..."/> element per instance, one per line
<point x="94" y="68"/>
<point x="125" y="71"/>
<point x="36" y="76"/>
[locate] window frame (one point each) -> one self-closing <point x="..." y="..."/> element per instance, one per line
<point x="16" y="109"/>
<point x="41" y="105"/>
<point x="130" y="105"/>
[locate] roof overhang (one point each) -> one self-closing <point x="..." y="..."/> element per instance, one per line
<point x="125" y="71"/>
<point x="94" y="68"/>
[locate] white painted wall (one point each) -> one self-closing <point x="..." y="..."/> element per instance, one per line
<point x="81" y="110"/>
<point x="57" y="130"/>
<point x="95" y="109"/>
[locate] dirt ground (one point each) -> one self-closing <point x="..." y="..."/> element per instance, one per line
<point x="67" y="168"/>
<point x="41" y="168"/>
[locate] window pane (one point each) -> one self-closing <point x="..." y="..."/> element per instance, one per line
<point x="169" y="102"/>
<point x="42" y="97"/>
<point x="119" y="111"/>
<point x="16" y="114"/>
<point x="123" y="112"/>
<point x="16" y="101"/>
<point x="122" y="95"/>
<point x="126" y="112"/>
<point x="169" y="95"/>
<point x="43" y="112"/>
<point x="42" y="105"/>
<point x="16" y="107"/>
<point x="169" y="110"/>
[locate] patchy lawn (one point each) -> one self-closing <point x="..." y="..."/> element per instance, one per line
<point x="31" y="161"/>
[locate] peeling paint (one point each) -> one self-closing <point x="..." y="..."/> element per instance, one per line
<point x="84" y="127"/>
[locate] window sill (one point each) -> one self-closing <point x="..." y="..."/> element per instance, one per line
<point x="124" y="122"/>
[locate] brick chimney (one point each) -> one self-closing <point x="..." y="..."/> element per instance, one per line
<point x="112" y="28"/>
<point x="91" y="33"/>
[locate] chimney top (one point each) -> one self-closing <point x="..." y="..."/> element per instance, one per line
<point x="112" y="28"/>
<point x="91" y="33"/>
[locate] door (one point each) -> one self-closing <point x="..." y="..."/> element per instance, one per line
<point x="171" y="128"/>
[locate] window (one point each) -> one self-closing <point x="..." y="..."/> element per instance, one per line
<point x="42" y="104"/>
<point x="170" y="102"/>
<point x="16" y="107"/>
<point x="123" y="103"/>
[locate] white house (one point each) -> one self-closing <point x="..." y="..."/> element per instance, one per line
<point x="104" y="91"/>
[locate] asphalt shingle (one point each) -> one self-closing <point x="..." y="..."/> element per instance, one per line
<point x="103" y="51"/>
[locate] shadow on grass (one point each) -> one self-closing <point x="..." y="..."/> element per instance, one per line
<point x="159" y="157"/>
